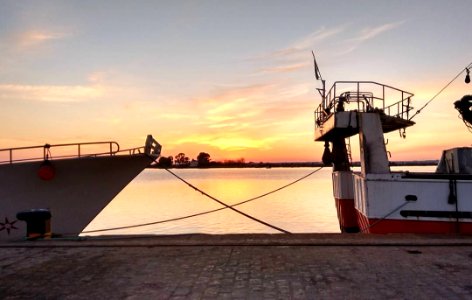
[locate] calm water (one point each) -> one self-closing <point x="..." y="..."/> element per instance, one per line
<point x="155" y="195"/>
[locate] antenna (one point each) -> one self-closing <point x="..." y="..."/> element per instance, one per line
<point x="318" y="76"/>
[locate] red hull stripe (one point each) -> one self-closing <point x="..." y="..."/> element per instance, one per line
<point x="347" y="215"/>
<point x="368" y="225"/>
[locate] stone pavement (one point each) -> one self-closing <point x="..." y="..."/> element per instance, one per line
<point x="240" y="267"/>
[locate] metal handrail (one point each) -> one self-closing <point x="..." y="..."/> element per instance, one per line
<point x="114" y="148"/>
<point x="365" y="99"/>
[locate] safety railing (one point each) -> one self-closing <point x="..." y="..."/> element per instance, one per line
<point x="72" y="150"/>
<point x="363" y="96"/>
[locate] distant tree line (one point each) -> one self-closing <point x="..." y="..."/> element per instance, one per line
<point x="204" y="161"/>
<point x="182" y="161"/>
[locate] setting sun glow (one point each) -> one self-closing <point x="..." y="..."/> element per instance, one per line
<point x="232" y="79"/>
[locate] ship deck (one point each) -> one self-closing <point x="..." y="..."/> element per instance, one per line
<point x="345" y="124"/>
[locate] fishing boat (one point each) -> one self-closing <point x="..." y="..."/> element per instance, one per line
<point x="56" y="190"/>
<point x="376" y="199"/>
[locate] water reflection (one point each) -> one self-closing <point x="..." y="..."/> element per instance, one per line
<point x="156" y="195"/>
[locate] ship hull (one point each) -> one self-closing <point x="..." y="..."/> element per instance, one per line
<point x="347" y="215"/>
<point x="382" y="226"/>
<point x="413" y="203"/>
<point x="344" y="201"/>
<point x="403" y="202"/>
<point x="78" y="190"/>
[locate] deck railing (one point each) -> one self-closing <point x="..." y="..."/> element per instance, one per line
<point x="72" y="150"/>
<point x="363" y="96"/>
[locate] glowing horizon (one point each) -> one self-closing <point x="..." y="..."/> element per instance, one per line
<point x="228" y="79"/>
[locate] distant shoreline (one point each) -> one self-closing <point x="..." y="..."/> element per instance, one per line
<point x="267" y="165"/>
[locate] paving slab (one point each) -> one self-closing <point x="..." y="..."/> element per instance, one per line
<point x="302" y="266"/>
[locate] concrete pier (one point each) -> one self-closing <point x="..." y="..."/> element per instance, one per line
<point x="299" y="266"/>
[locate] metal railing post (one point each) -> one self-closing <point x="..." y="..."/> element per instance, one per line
<point x="334" y="90"/>
<point x="383" y="96"/>
<point x="403" y="108"/>
<point x="358" y="93"/>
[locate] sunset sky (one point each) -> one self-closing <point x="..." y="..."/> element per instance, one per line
<point x="230" y="78"/>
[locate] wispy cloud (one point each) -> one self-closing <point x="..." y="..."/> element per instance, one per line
<point x="236" y="118"/>
<point x="178" y="116"/>
<point x="16" y="48"/>
<point x="303" y="44"/>
<point x="261" y="116"/>
<point x="229" y="142"/>
<point x="49" y="93"/>
<point x="334" y="41"/>
<point x="284" y="68"/>
<point x="295" y="56"/>
<point x="367" y="34"/>
<point x="32" y="38"/>
<point x="309" y="41"/>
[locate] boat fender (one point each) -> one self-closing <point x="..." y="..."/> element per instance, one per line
<point x="46" y="170"/>
<point x="327" y="157"/>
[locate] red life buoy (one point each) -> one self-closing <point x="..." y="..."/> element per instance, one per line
<point x="46" y="170"/>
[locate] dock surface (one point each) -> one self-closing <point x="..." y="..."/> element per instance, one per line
<point x="255" y="266"/>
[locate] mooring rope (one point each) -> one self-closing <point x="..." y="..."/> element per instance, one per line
<point x="384" y="217"/>
<point x="228" y="206"/>
<point x="208" y="211"/>
<point x="438" y="93"/>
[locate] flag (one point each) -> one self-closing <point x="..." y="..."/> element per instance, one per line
<point x="317" y="71"/>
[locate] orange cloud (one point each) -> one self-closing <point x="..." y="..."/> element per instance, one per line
<point x="33" y="38"/>
<point x="253" y="122"/>
<point x="50" y="93"/>
<point x="228" y="142"/>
